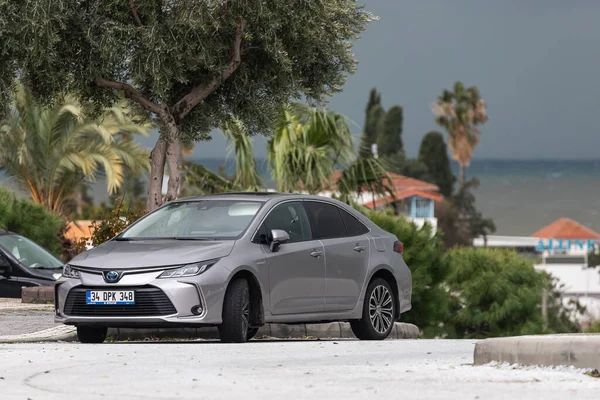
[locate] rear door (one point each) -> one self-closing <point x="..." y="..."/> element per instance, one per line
<point x="297" y="268"/>
<point x="346" y="253"/>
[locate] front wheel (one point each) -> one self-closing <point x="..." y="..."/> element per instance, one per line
<point x="90" y="334"/>
<point x="236" y="313"/>
<point x="379" y="309"/>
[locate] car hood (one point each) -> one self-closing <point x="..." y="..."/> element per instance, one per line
<point x="151" y="253"/>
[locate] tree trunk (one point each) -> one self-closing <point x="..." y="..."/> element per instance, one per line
<point x="173" y="161"/>
<point x="157" y="170"/>
<point x="462" y="177"/>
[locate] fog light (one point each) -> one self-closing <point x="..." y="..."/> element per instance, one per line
<point x="197" y="310"/>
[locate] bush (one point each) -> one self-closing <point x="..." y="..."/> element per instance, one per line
<point x="594" y="328"/>
<point x="30" y="220"/>
<point x="424" y="255"/>
<point x="109" y="227"/>
<point x="494" y="293"/>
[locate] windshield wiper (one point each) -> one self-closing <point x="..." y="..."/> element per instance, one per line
<point x="44" y="267"/>
<point x="188" y="238"/>
<point x="122" y="239"/>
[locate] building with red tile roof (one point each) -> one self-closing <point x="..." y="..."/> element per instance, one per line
<point x="566" y="228"/>
<point x="409" y="196"/>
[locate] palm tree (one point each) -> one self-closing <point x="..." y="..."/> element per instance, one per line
<point x="303" y="152"/>
<point x="49" y="151"/>
<point x="246" y="176"/>
<point x="307" y="147"/>
<point x="459" y="112"/>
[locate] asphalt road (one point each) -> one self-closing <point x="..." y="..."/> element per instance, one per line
<point x="333" y="369"/>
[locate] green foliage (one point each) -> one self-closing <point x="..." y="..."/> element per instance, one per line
<point x="165" y="49"/>
<point x="307" y="146"/>
<point x="389" y="135"/>
<point x="370" y="130"/>
<point x="561" y="318"/>
<point x="112" y="224"/>
<point x="30" y="220"/>
<point x="433" y="153"/>
<point x="49" y="151"/>
<point x="459" y="112"/>
<point x="424" y="255"/>
<point x="459" y="219"/>
<point x="246" y="175"/>
<point x="594" y="328"/>
<point x="494" y="293"/>
<point x="200" y="180"/>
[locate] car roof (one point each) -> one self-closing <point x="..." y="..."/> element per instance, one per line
<point x="256" y="196"/>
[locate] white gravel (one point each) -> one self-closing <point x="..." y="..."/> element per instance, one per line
<point x="340" y="369"/>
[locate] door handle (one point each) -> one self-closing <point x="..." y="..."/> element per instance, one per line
<point x="359" y="248"/>
<point x="316" y="253"/>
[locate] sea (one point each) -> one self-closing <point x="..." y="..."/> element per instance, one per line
<point x="521" y="196"/>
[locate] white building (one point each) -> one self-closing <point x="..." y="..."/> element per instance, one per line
<point x="561" y="249"/>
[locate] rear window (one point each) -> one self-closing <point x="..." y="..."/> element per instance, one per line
<point x="353" y="225"/>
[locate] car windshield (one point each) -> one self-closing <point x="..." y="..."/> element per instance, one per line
<point x="29" y="253"/>
<point x="195" y="220"/>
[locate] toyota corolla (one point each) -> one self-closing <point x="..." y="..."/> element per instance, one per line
<point x="238" y="261"/>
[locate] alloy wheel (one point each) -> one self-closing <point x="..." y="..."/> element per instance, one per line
<point x="381" y="307"/>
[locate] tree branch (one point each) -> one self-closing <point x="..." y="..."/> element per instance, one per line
<point x="134" y="11"/>
<point x="200" y="92"/>
<point x="130" y="93"/>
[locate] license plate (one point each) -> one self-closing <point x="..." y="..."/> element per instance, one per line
<point x="110" y="297"/>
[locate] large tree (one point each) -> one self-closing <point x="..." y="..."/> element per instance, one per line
<point x="459" y="112"/>
<point x="191" y="64"/>
<point x="434" y="154"/>
<point x="372" y="123"/>
<point x="50" y="151"/>
<point x="389" y="139"/>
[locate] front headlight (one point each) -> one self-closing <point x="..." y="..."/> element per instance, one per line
<point x="69" y="272"/>
<point x="188" y="270"/>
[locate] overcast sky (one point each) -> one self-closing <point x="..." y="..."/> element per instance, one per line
<point x="536" y="63"/>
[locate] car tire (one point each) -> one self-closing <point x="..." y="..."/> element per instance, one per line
<point x="251" y="333"/>
<point x="378" y="312"/>
<point x="236" y="313"/>
<point x="90" y="334"/>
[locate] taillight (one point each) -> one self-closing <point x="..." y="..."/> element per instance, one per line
<point x="399" y="247"/>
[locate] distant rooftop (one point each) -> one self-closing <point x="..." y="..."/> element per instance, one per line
<point x="566" y="228"/>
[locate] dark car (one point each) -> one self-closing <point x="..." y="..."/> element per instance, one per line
<point x="25" y="263"/>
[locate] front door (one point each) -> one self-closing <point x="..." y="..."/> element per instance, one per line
<point x="297" y="268"/>
<point x="9" y="283"/>
<point x="346" y="253"/>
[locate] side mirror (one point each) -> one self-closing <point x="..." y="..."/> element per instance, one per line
<point x="278" y="237"/>
<point x="5" y="266"/>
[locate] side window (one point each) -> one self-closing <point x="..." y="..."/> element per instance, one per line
<point x="325" y="220"/>
<point x="289" y="217"/>
<point x="353" y="225"/>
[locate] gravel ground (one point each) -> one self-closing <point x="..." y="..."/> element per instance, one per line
<point x="25" y="321"/>
<point x="18" y="318"/>
<point x="333" y="369"/>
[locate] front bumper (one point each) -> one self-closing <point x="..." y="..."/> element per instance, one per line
<point x="158" y="302"/>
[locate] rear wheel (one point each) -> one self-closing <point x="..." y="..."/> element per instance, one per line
<point x="90" y="334"/>
<point x="236" y="313"/>
<point x="379" y="309"/>
<point x="251" y="333"/>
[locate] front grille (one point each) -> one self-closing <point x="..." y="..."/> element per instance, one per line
<point x="149" y="301"/>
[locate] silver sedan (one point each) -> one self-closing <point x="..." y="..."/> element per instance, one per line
<point x="238" y="261"/>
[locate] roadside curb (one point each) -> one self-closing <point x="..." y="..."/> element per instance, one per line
<point x="578" y="350"/>
<point x="55" y="334"/>
<point x="330" y="330"/>
<point x="279" y="331"/>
